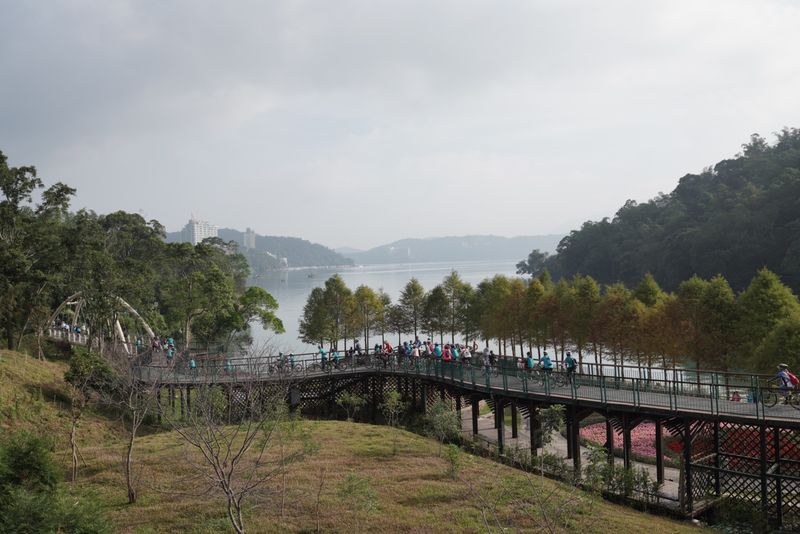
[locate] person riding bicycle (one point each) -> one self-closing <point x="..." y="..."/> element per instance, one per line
<point x="487" y="362"/>
<point x="783" y="379"/>
<point x="546" y="364"/>
<point x="571" y="365"/>
<point x="335" y="358"/>
<point x="529" y="363"/>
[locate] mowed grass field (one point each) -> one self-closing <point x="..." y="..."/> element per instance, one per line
<point x="412" y="492"/>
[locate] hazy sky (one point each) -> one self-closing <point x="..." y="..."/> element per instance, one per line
<point x="361" y="122"/>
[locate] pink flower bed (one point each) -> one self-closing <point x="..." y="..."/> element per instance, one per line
<point x="643" y="437"/>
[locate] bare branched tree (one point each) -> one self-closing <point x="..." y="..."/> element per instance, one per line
<point x="134" y="397"/>
<point x="241" y="427"/>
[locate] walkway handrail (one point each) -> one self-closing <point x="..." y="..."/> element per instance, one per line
<point x="711" y="396"/>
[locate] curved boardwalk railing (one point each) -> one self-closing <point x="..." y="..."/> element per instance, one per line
<point x="704" y="395"/>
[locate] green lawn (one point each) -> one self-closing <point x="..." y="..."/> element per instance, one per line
<point x="412" y="491"/>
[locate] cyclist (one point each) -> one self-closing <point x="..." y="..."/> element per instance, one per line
<point x="487" y="362"/>
<point x="335" y="358"/>
<point x="571" y="365"/>
<point x="466" y="356"/>
<point x="784" y="381"/>
<point x="529" y="363"/>
<point x="546" y="364"/>
<point x="446" y="356"/>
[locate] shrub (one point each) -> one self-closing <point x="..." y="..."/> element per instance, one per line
<point x="453" y="456"/>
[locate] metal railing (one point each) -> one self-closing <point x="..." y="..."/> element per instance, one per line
<point x="676" y="391"/>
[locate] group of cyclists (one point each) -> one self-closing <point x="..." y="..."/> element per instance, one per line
<point x="456" y="353"/>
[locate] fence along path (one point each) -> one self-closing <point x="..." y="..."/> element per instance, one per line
<point x="649" y="390"/>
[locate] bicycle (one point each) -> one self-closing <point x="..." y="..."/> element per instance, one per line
<point x="337" y="365"/>
<point x="771" y="397"/>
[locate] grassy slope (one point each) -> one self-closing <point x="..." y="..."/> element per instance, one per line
<point x="414" y="494"/>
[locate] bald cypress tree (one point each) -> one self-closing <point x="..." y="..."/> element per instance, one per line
<point x="765" y="303"/>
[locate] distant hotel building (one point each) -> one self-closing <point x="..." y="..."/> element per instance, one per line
<point x="195" y="231"/>
<point x="249" y="240"/>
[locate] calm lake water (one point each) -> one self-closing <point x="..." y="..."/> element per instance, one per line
<point x="291" y="288"/>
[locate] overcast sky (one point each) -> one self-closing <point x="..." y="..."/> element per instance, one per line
<point x="360" y="122"/>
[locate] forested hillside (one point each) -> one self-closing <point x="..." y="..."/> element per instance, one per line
<point x="733" y="219"/>
<point x="47" y="253"/>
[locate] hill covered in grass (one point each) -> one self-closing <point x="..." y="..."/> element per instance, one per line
<point x="404" y="491"/>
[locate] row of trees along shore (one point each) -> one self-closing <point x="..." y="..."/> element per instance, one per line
<point x="47" y="253"/>
<point x="703" y="324"/>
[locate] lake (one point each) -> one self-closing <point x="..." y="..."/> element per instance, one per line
<point x="292" y="287"/>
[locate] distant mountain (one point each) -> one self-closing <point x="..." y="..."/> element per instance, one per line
<point x="270" y="249"/>
<point x="463" y="248"/>
<point x="346" y="251"/>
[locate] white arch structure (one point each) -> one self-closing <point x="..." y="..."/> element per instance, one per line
<point x="79" y="301"/>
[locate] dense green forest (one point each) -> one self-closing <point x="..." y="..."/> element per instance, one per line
<point x="704" y="323"/>
<point x="47" y="253"/>
<point x="733" y="219"/>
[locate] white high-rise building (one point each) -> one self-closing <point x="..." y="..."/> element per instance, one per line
<point x="249" y="239"/>
<point x="195" y="231"/>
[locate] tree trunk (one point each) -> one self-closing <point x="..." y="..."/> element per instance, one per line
<point x="74" y="447"/>
<point x="235" y="514"/>
<point x="129" y="466"/>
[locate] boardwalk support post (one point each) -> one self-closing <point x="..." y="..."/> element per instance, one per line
<point x="499" y="423"/>
<point x="687" y="463"/>
<point x="609" y="439"/>
<point x="514" y="430"/>
<point x="626" y="441"/>
<point x="574" y="437"/>
<point x="659" y="454"/>
<point x="762" y="445"/>
<point x="475" y="413"/>
<point x="778" y="481"/>
<point x="717" y="463"/>
<point x="535" y="429"/>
